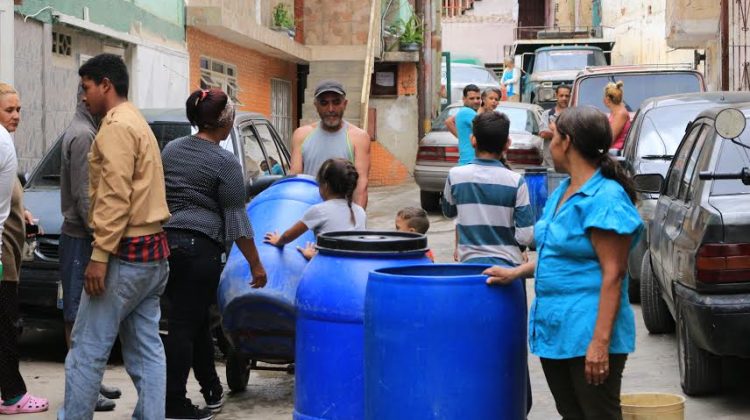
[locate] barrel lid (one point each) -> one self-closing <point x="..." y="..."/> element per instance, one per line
<point x="535" y="169"/>
<point x="372" y="241"/>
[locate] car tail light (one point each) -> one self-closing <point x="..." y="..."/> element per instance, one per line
<point x="524" y="156"/>
<point x="723" y="263"/>
<point x="438" y="154"/>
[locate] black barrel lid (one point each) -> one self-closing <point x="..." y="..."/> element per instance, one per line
<point x="372" y="241"/>
<point x="536" y="169"/>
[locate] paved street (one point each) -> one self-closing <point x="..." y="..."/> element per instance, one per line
<point x="653" y="367"/>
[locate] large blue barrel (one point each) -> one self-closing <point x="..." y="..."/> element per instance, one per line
<point x="260" y="322"/>
<point x="330" y="315"/>
<point x="536" y="180"/>
<point x="442" y="344"/>
<point x="553" y="180"/>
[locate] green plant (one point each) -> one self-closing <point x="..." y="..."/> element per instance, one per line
<point x="282" y="17"/>
<point x="411" y="30"/>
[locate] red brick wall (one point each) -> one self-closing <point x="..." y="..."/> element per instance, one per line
<point x="299" y="20"/>
<point x="254" y="70"/>
<point x="385" y="169"/>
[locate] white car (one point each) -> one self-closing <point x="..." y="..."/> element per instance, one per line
<point x="438" y="149"/>
<point x="466" y="74"/>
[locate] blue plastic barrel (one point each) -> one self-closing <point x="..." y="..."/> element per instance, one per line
<point x="536" y="180"/>
<point x="553" y="181"/>
<point x="441" y="344"/>
<point x="260" y="322"/>
<point x="329" y="365"/>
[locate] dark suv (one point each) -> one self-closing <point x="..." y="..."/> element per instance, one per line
<point x="253" y="141"/>
<point x="697" y="267"/>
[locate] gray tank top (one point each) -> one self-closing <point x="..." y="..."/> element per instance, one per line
<point x="321" y="145"/>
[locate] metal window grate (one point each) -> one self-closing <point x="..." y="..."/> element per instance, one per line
<point x="220" y="75"/>
<point x="281" y="108"/>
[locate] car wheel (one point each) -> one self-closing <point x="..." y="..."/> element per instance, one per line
<point x="429" y="200"/>
<point x="238" y="371"/>
<point x="656" y="314"/>
<point x="700" y="371"/>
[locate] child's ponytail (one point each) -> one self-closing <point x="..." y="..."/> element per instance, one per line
<point x="340" y="176"/>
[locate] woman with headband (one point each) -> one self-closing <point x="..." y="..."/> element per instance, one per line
<point x="206" y="196"/>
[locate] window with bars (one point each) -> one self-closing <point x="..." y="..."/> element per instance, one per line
<point x="221" y="75"/>
<point x="62" y="44"/>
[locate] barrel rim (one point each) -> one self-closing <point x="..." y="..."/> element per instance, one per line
<point x="363" y="242"/>
<point x="384" y="274"/>
<point x="680" y="399"/>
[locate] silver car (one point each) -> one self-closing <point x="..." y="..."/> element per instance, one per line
<point x="438" y="150"/>
<point x="466" y="74"/>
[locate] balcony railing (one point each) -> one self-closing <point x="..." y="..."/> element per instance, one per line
<point x="558" y="32"/>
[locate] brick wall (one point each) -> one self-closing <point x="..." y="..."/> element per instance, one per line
<point x="385" y="169"/>
<point x="336" y="22"/>
<point x="254" y="70"/>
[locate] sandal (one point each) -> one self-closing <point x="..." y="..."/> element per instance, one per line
<point x="27" y="404"/>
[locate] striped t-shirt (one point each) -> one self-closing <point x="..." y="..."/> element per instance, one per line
<point x="492" y="205"/>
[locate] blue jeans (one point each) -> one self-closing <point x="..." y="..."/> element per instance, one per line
<point x="74" y="257"/>
<point x="130" y="305"/>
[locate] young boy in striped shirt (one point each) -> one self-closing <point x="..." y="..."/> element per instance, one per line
<point x="490" y="201"/>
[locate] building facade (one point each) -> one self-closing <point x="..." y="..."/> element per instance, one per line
<point x="53" y="38"/>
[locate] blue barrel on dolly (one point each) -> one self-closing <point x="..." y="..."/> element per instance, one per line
<point x="536" y="180"/>
<point x="330" y="310"/>
<point x="260" y="322"/>
<point x="441" y="344"/>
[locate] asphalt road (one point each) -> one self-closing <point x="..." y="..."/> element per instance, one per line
<point x="653" y="367"/>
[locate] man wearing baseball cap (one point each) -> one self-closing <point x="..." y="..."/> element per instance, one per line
<point x="332" y="137"/>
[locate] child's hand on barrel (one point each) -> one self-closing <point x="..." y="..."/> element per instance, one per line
<point x="272" y="238"/>
<point x="500" y="275"/>
<point x="308" y="251"/>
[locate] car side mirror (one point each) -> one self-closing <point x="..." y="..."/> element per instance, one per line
<point x="649" y="183"/>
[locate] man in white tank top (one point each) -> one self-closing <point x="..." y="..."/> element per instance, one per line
<point x="332" y="137"/>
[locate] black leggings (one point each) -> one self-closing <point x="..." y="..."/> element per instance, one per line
<point x="194" y="270"/>
<point x="11" y="382"/>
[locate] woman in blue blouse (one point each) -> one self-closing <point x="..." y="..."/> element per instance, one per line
<point x="580" y="323"/>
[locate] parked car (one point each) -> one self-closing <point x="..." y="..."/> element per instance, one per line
<point x="438" y="150"/>
<point x="640" y="83"/>
<point x="464" y="74"/>
<point x="696" y="272"/>
<point x="656" y="132"/>
<point x="253" y="141"/>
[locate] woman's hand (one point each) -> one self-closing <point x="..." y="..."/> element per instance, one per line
<point x="308" y="251"/>
<point x="500" y="275"/>
<point x="259" y="276"/>
<point x="273" y="238"/>
<point x="597" y="362"/>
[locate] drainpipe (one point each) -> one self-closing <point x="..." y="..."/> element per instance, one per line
<point x="725" y="45"/>
<point x="7" y="48"/>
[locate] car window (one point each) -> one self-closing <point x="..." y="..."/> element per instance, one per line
<point x="47" y="174"/>
<point x="469" y="74"/>
<point x="439" y="123"/>
<point x="277" y="163"/>
<point x="662" y="129"/>
<point x="253" y="154"/>
<point x="690" y="168"/>
<point x="520" y="119"/>
<point x="674" y="177"/>
<point x="636" y="87"/>
<point x="732" y="158"/>
<point x="568" y="60"/>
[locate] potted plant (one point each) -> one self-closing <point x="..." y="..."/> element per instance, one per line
<point x="412" y="34"/>
<point x="283" y="20"/>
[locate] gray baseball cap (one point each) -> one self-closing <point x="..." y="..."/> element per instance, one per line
<point x="329" y="86"/>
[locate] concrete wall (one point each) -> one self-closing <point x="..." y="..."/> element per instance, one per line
<point x="639" y="28"/>
<point x="694" y="24"/>
<point x="47" y="88"/>
<point x="398" y="125"/>
<point x="483" y="32"/>
<point x="258" y="11"/>
<point x="336" y="22"/>
<point x="163" y="18"/>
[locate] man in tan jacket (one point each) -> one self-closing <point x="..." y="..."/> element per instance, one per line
<point x="128" y="268"/>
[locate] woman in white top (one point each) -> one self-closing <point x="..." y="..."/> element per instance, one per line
<point x="337" y="180"/>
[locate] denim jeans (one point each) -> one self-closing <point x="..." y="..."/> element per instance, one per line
<point x="75" y="254"/>
<point x="130" y="306"/>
